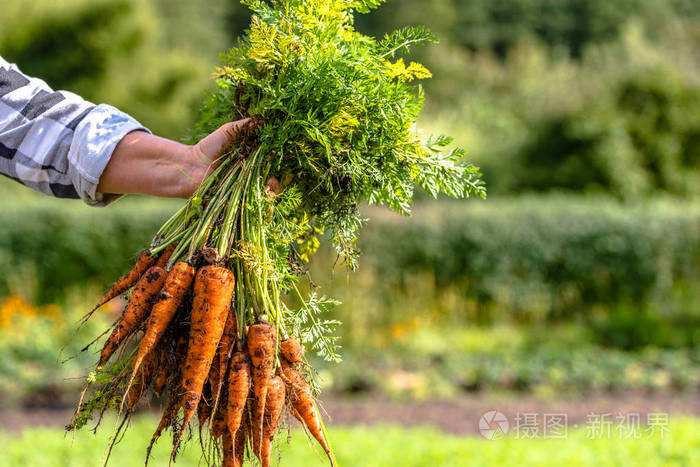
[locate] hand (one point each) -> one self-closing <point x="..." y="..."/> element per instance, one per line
<point x="147" y="164"/>
<point x="217" y="143"/>
<point x="211" y="148"/>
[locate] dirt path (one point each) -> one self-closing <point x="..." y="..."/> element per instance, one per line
<point x="461" y="416"/>
<point x="458" y="416"/>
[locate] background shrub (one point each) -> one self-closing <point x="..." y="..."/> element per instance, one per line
<point x="150" y="58"/>
<point x="552" y="257"/>
<point x="645" y="139"/>
<point x="537" y="257"/>
<point x="49" y="249"/>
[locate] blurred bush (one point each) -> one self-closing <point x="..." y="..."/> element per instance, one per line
<point x="528" y="259"/>
<point x="551" y="361"/>
<point x="542" y="256"/>
<point x="149" y="58"/>
<point x="49" y="248"/>
<point x="632" y="327"/>
<point x="197" y="26"/>
<point x="499" y="25"/>
<point x="623" y="119"/>
<point x="645" y="139"/>
<point x="42" y="363"/>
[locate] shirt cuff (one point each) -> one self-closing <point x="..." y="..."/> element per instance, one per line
<point x="94" y="141"/>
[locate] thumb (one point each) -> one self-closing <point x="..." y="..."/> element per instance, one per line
<point x="222" y="138"/>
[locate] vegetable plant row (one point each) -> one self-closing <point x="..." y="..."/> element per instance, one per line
<point x="218" y="314"/>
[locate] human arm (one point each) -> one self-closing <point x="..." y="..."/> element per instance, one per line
<point x="61" y="145"/>
<point x="147" y="164"/>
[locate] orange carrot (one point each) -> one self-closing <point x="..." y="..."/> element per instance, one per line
<point x="274" y="405"/>
<point x="124" y="283"/>
<point x="292" y="350"/>
<point x="213" y="291"/>
<point x="234" y="449"/>
<point x="134" y="393"/>
<point x="136" y="311"/>
<point x="165" y="420"/>
<point x="238" y="389"/>
<point x="213" y="377"/>
<point x="160" y="380"/>
<point x="164" y="257"/>
<point x="173" y="404"/>
<point x="219" y="366"/>
<point x="176" y="286"/>
<point x="218" y="426"/>
<point x="261" y="349"/>
<point x="225" y="345"/>
<point x="239" y="448"/>
<point x="303" y="407"/>
<point x="205" y="405"/>
<point x="229" y="457"/>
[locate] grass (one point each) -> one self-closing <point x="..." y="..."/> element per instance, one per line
<point x="375" y="447"/>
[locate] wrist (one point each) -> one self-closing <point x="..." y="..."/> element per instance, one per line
<point x="143" y="163"/>
<point x="176" y="169"/>
<point x="196" y="168"/>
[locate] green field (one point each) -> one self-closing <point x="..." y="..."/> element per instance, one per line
<point x="378" y="446"/>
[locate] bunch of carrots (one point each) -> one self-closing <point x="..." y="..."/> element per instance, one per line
<point x="217" y="317"/>
<point x="236" y="379"/>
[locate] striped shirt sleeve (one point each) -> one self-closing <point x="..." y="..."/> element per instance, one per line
<point x="54" y="141"/>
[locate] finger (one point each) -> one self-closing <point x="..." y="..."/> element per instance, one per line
<point x="235" y="129"/>
<point x="221" y="139"/>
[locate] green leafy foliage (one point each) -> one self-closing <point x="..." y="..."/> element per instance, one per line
<point x="309" y="323"/>
<point x="334" y="111"/>
<point x="403" y="39"/>
<point x="337" y="117"/>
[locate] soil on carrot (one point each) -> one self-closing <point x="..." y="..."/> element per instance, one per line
<point x="458" y="416"/>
